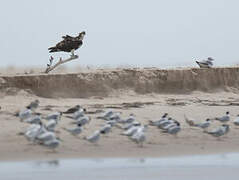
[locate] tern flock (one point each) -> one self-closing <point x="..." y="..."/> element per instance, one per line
<point x="44" y="134"/>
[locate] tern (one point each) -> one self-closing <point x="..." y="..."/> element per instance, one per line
<point x="224" y="118"/>
<point x="220" y="131"/>
<point x="33" y="105"/>
<point x="25" y="114"/>
<point x="156" y="123"/>
<point x="74" y="131"/>
<point x="93" y="138"/>
<point x="56" y="116"/>
<point x="236" y="121"/>
<point x="105" y="129"/>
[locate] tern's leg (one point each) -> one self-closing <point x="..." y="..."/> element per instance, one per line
<point x="141" y="144"/>
<point x="72" y="52"/>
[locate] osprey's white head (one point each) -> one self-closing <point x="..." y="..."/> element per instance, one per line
<point x="81" y="35"/>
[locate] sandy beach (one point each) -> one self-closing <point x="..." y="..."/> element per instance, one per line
<point x="190" y="140"/>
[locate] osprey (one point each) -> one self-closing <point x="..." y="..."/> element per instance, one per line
<point x="68" y="44"/>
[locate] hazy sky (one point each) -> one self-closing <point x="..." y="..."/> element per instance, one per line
<point x="123" y="32"/>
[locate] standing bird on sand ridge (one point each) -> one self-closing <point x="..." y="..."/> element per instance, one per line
<point x="205" y="63"/>
<point x="69" y="44"/>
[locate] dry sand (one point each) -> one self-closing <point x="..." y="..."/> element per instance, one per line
<point x="197" y="105"/>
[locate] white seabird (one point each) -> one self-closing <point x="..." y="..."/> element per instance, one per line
<point x="130" y="131"/>
<point x="190" y="122"/>
<point x="224" y="118"/>
<point x="105" y="129"/>
<point x="134" y="129"/>
<point x="93" y="138"/>
<point x="204" y="125"/>
<point x="166" y="127"/>
<point x="79" y="113"/>
<point x="112" y="122"/>
<point x="106" y="115"/>
<point x="56" y="116"/>
<point x="236" y="120"/>
<point x="127" y="126"/>
<point x="52" y="143"/>
<point x="33" y="105"/>
<point x="130" y="119"/>
<point x="142" y="128"/>
<point x="220" y="131"/>
<point x="33" y="120"/>
<point x="174" y="130"/>
<point x="34" y="130"/>
<point x="139" y="138"/>
<point x="25" y="114"/>
<point x="156" y="123"/>
<point x="51" y="125"/>
<point x="74" y="131"/>
<point x="76" y="115"/>
<point x="115" y="116"/>
<point x="82" y="120"/>
<point x="165" y="122"/>
<point x="205" y="63"/>
<point x="46" y="136"/>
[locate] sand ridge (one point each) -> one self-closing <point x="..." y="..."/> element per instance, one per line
<point x="105" y="83"/>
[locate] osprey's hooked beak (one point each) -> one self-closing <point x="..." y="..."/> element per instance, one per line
<point x="81" y="35"/>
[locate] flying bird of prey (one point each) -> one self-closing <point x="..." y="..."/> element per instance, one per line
<point x="205" y="63"/>
<point x="69" y="44"/>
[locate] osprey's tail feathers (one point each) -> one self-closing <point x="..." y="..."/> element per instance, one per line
<point x="53" y="49"/>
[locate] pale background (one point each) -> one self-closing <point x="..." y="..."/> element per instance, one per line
<point x="165" y="33"/>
